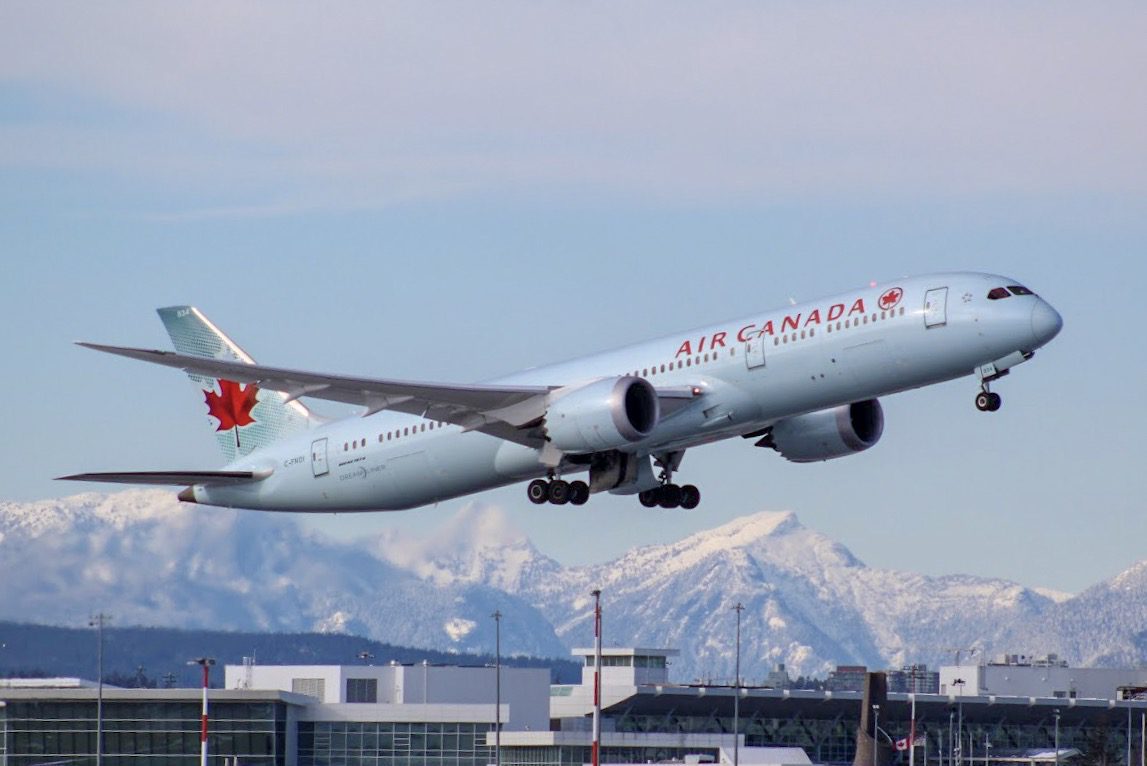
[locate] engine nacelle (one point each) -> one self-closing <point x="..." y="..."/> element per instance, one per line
<point x="829" y="434"/>
<point x="603" y="415"/>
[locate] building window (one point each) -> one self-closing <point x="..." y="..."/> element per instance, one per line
<point x="312" y="687"/>
<point x="362" y="690"/>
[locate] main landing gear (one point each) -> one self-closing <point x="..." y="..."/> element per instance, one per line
<point x="671" y="496"/>
<point x="557" y="492"/>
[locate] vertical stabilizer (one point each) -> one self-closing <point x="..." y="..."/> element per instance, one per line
<point x="245" y="418"/>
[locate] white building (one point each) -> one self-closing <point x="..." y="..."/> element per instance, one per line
<point x="623" y="670"/>
<point x="396" y="692"/>
<point x="1021" y="676"/>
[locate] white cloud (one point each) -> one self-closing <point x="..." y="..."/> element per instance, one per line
<point x="680" y="102"/>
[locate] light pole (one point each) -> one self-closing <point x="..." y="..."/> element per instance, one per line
<point x="1057" y="738"/>
<point x="497" y="687"/>
<point x="875" y="730"/>
<point x="597" y="677"/>
<point x="205" y="663"/>
<point x="738" y="608"/>
<point x="98" y="623"/>
<point x="951" y="739"/>
<point x="959" y="752"/>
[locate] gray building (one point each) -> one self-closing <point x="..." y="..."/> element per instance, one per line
<point x="424" y="715"/>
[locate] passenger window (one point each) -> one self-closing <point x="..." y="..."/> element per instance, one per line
<point x="776" y="341"/>
<point x="346" y="447"/>
<point x="786" y="339"/>
<point x="380" y="438"/>
<point x="996" y="293"/>
<point x="802" y="334"/>
<point x="812" y="332"/>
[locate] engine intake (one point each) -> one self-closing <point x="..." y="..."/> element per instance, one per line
<point x="828" y="434"/>
<point x="603" y="415"/>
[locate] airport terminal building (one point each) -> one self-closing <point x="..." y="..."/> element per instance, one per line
<point x="426" y="715"/>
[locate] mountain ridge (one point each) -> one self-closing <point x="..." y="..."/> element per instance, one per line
<point x="809" y="602"/>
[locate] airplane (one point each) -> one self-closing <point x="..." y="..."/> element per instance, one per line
<point x="804" y="380"/>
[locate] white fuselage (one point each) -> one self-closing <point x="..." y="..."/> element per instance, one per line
<point x="752" y="372"/>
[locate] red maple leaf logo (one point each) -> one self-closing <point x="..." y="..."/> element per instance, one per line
<point x="232" y="406"/>
<point x="890" y="298"/>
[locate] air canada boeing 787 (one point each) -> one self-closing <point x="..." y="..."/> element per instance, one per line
<point x="804" y="380"/>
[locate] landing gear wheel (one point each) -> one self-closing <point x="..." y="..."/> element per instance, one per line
<point x="984" y="401"/>
<point x="994" y="402"/>
<point x="650" y="497"/>
<point x="579" y="492"/>
<point x="538" y="491"/>
<point x="690" y="497"/>
<point x="559" y="492"/>
<point x="670" y="496"/>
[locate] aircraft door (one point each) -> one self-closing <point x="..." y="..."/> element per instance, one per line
<point x="936" y="307"/>
<point x="755" y="352"/>
<point x="319" y="457"/>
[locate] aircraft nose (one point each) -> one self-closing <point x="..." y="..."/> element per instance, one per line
<point x="1046" y="323"/>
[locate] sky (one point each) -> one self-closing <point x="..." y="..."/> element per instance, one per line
<point x="453" y="191"/>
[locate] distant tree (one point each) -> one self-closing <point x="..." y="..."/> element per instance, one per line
<point x="809" y="682"/>
<point x="25" y="673"/>
<point x="136" y="680"/>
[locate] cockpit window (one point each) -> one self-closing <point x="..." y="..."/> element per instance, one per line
<point x="1020" y="290"/>
<point x="998" y="292"/>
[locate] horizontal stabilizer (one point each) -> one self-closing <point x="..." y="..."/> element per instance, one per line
<point x="171" y="478"/>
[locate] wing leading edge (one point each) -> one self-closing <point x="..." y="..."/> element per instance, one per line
<point x="501" y="411"/>
<point x="507" y="412"/>
<point x="171" y="478"/>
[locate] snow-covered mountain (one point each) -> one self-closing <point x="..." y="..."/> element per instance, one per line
<point x="808" y="601"/>
<point x="151" y="560"/>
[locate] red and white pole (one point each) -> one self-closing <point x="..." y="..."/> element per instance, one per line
<point x="596" y="678"/>
<point x="205" y="663"/>
<point x="912" y="727"/>
<point x="203" y="722"/>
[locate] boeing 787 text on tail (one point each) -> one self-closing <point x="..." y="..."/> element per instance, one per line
<point x="804" y="380"/>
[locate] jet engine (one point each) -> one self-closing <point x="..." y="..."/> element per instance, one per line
<point x="603" y="415"/>
<point x="828" y="434"/>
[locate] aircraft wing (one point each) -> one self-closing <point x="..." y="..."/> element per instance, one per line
<point x="171" y="478"/>
<point x="508" y="412"/>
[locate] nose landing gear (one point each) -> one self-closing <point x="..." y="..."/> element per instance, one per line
<point x="986" y="401"/>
